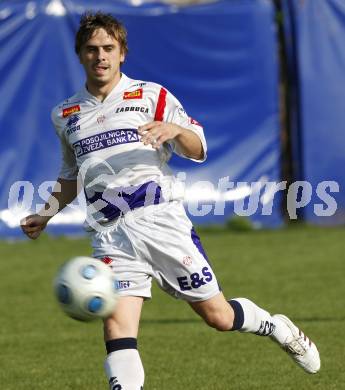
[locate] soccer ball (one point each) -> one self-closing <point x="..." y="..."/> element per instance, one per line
<point x="86" y="289"/>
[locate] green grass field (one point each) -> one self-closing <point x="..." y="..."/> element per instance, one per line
<point x="297" y="271"/>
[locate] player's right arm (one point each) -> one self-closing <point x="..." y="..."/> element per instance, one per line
<point x="64" y="192"/>
<point x="66" y="188"/>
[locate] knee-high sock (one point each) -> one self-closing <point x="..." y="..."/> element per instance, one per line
<point x="251" y="318"/>
<point x="123" y="365"/>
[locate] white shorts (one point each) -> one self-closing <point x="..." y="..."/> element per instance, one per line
<point x="157" y="241"/>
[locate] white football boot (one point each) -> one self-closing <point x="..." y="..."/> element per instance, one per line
<point x="301" y="349"/>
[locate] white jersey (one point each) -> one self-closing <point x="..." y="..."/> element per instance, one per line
<point x="100" y="140"/>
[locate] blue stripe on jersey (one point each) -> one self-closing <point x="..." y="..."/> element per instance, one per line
<point x="120" y="202"/>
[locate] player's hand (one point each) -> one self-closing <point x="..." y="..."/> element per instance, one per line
<point x="33" y="225"/>
<point x="156" y="133"/>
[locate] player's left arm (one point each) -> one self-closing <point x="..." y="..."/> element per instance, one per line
<point x="156" y="133"/>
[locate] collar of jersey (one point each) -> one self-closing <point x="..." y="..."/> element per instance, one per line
<point x="120" y="86"/>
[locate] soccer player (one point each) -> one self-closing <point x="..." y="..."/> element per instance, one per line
<point x="118" y="135"/>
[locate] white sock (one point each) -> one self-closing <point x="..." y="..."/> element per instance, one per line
<point x="255" y="320"/>
<point x="124" y="370"/>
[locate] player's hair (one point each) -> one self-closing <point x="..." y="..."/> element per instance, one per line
<point x="91" y="21"/>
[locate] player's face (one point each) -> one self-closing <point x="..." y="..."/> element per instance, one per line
<point x="101" y="57"/>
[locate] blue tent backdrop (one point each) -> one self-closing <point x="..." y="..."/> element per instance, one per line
<point x="219" y="59"/>
<point x="315" y="39"/>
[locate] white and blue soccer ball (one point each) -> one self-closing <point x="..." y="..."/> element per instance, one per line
<point x="86" y="289"/>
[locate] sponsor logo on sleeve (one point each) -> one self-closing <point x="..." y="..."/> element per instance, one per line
<point x="137" y="94"/>
<point x="72" y="124"/>
<point x="194" y="122"/>
<point x="70" y="110"/>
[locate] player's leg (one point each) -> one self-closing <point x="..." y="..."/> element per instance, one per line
<point x="245" y="316"/>
<point x="181" y="268"/>
<point x="123" y="365"/>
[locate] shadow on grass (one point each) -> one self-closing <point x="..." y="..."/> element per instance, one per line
<point x="168" y="321"/>
<point x="319" y="319"/>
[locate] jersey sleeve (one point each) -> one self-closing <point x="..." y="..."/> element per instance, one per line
<point x="69" y="168"/>
<point x="169" y="109"/>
